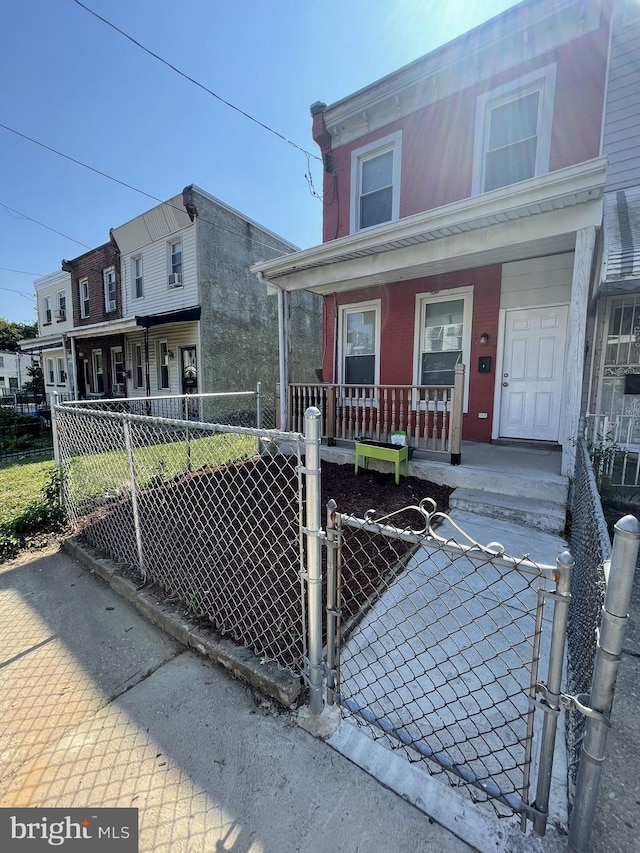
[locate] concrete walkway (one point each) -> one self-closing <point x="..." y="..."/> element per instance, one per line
<point x="100" y="708"/>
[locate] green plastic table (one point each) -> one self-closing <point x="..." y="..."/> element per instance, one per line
<point x="386" y="453"/>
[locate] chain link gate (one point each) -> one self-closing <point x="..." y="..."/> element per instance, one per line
<point x="435" y="647"/>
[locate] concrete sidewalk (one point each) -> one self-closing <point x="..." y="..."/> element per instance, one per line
<point x="100" y="708"/>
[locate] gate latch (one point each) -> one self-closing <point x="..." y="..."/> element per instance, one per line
<point x="577" y="703"/>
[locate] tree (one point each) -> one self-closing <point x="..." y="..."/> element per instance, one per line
<point x="35" y="385"/>
<point x="11" y="333"/>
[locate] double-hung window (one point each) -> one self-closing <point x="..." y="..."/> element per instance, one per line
<point x="513" y="131"/>
<point x="175" y="263"/>
<point x="109" y="278"/>
<point x="375" y="182"/>
<point x="46" y="310"/>
<point x="60" y="371"/>
<point x="443" y="337"/>
<point x="138" y="379"/>
<point x="360" y="344"/>
<point x="162" y="362"/>
<point x="136" y="277"/>
<point x="50" y="374"/>
<point x="61" y="311"/>
<point x="83" y="294"/>
<point x="98" y="371"/>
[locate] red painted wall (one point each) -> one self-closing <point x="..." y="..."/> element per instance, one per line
<point x="397" y="328"/>
<point x="437" y="141"/>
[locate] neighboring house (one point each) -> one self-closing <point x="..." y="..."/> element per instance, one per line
<point x="613" y="405"/>
<point x="97" y="339"/>
<point x="462" y="202"/>
<point x="52" y="347"/>
<point x="13" y="371"/>
<point x="169" y="306"/>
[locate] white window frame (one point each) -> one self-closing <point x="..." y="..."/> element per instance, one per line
<point x="544" y="81"/>
<point x="50" y="371"/>
<point x="83" y="294"/>
<point x="137" y="267"/>
<point x="465" y="293"/>
<point x="393" y="143"/>
<point x="174" y="268"/>
<point x="97" y="359"/>
<point x="356" y="308"/>
<point x="138" y="366"/>
<point x="61" y="373"/>
<point x="46" y="311"/>
<point x="62" y="304"/>
<point x="162" y="362"/>
<point x="109" y="279"/>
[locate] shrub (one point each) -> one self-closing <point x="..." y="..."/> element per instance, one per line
<point x="39" y="518"/>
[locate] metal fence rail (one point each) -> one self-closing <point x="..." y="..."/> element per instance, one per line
<point x="591" y="547"/>
<point x="435" y="647"/>
<point x="209" y="514"/>
<point x="237" y="408"/>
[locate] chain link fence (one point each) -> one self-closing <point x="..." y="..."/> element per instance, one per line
<point x="240" y="408"/>
<point x="209" y="514"/>
<point x="439" y="646"/>
<point x="590" y="547"/>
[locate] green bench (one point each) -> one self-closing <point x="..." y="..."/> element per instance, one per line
<point x="396" y="453"/>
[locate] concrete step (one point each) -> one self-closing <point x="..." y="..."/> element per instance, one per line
<point x="541" y="514"/>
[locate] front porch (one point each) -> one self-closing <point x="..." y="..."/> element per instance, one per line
<point x="522" y="484"/>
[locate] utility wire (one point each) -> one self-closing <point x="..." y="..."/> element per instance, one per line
<point x="135" y="189"/>
<point x="20" y="272"/>
<point x="19" y="292"/>
<point x="11" y="211"/>
<point x="196" y="82"/>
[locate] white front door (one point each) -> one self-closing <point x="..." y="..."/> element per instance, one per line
<point x="532" y="372"/>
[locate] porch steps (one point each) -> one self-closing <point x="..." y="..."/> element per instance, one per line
<point x="542" y="514"/>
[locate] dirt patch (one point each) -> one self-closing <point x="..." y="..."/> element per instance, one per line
<point x="224" y="543"/>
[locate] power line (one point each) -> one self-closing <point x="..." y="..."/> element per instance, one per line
<point x="19" y="292"/>
<point x="20" y="215"/>
<point x="134" y="189"/>
<point x="20" y="272"/>
<point x="196" y="82"/>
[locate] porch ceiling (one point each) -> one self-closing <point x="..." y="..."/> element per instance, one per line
<point x="533" y="218"/>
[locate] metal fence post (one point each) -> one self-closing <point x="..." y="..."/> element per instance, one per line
<point x="134" y="494"/>
<point x="613" y="623"/>
<point x="56" y="446"/>
<point x="565" y="566"/>
<point x="312" y="420"/>
<point x="259" y="405"/>
<point x="332" y="603"/>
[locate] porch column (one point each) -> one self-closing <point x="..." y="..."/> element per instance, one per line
<point x="283" y="353"/>
<point x="574" y="368"/>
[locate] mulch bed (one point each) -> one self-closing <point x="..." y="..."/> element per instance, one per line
<point x="224" y="542"/>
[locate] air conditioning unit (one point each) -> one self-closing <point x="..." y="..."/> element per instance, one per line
<point x="111" y="305"/>
<point x="60" y="314"/>
<point x="117" y="389"/>
<point x="175" y="279"/>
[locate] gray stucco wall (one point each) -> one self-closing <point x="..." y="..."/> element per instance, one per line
<point x="239" y="322"/>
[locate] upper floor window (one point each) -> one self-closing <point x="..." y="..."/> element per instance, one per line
<point x="46" y="310"/>
<point x="109" y="278"/>
<point x="61" y="310"/>
<point x="513" y="131"/>
<point x="136" y="277"/>
<point x="375" y="182"/>
<point x="83" y="294"/>
<point x="175" y="263"/>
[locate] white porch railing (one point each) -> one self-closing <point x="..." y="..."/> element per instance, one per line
<point x="614" y="446"/>
<point x="431" y="416"/>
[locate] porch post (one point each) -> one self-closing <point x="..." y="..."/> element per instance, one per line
<point x="455" y="441"/>
<point x="576" y="333"/>
<point x="283" y="362"/>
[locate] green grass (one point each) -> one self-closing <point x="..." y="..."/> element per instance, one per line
<point x="89" y="476"/>
<point x="21" y="483"/>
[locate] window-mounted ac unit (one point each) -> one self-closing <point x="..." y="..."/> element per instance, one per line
<point x="60" y="314"/>
<point x="117" y="389"/>
<point x="175" y="279"/>
<point x="111" y="305"/>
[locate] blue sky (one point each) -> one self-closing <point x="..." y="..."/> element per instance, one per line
<point x="74" y="84"/>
